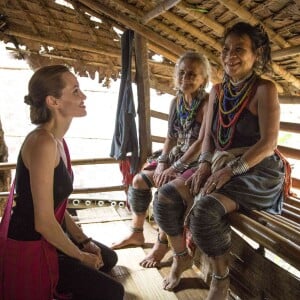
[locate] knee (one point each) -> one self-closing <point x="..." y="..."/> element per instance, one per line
<point x="207" y="210"/>
<point x="119" y="291"/>
<point x="137" y="181"/>
<point x="210" y="227"/>
<point x="111" y="262"/>
<point x="169" y="209"/>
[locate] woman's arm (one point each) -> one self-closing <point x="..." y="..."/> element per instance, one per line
<point x="204" y="170"/>
<point x="76" y="233"/>
<point x="170" y="142"/>
<point x="268" y="111"/>
<point x="40" y="156"/>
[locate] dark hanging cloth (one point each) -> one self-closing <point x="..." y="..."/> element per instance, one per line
<point x="125" y="139"/>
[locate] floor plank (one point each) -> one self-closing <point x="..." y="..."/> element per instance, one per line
<point x="139" y="283"/>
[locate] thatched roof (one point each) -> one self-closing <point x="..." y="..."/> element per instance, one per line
<point x="85" y="34"/>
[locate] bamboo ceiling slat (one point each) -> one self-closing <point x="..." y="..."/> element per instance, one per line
<point x="158" y="10"/>
<point x="203" y="18"/>
<point x="291" y="51"/>
<point x="192" y="30"/>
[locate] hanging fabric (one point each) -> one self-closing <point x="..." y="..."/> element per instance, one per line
<point x="125" y="142"/>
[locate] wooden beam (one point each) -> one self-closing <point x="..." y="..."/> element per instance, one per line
<point x="286" y="75"/>
<point x="99" y="49"/>
<point x="296" y="183"/>
<point x="159" y="9"/>
<point x="286" y="52"/>
<point x="289" y="152"/>
<point x="278" y="244"/>
<point x="290" y="127"/>
<point x="289" y="99"/>
<point x="159" y="115"/>
<point x="157" y="139"/>
<point x="143" y="93"/>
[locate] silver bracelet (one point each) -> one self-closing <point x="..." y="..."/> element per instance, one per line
<point x="238" y="166"/>
<point x="163" y="158"/>
<point x="205" y="157"/>
<point x="179" y="166"/>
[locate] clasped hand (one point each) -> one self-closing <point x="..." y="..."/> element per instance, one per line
<point x="93" y="256"/>
<point x="202" y="181"/>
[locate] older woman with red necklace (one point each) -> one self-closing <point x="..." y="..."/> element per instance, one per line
<point x="239" y="168"/>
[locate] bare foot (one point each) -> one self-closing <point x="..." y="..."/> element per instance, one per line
<point x="218" y="289"/>
<point x="158" y="251"/>
<point x="179" y="265"/>
<point x="133" y="239"/>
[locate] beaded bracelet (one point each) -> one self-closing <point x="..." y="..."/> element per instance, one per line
<point x="163" y="158"/>
<point x="205" y="157"/>
<point x="84" y="242"/>
<point x="238" y="166"/>
<point x="179" y="166"/>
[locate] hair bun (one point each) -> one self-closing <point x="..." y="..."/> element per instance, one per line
<point x="28" y="100"/>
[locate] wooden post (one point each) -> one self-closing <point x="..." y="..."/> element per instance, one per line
<point x="5" y="176"/>
<point x="143" y="92"/>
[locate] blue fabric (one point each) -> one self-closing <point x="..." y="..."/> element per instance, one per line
<point x="125" y="136"/>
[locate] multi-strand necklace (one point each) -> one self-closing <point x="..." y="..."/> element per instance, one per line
<point x="187" y="113"/>
<point x="232" y="100"/>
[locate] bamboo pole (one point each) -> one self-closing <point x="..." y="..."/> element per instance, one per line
<point x="280" y="245"/>
<point x="289" y="99"/>
<point x="286" y="52"/>
<point x="159" y="9"/>
<point x="273" y="223"/>
<point x="290" y="127"/>
<point x="290" y="152"/>
<point x="286" y="75"/>
<point x="159" y="115"/>
<point x="143" y="92"/>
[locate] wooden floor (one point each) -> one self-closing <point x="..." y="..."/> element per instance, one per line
<point x="107" y="225"/>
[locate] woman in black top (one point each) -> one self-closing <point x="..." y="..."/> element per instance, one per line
<point x="43" y="181"/>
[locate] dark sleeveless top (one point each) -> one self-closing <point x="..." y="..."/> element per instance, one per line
<point x="246" y="131"/>
<point x="21" y="225"/>
<point x="262" y="186"/>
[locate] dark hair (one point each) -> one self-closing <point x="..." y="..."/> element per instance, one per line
<point x="46" y="81"/>
<point x="200" y="59"/>
<point x="260" y="43"/>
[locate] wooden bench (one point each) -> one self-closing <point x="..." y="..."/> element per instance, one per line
<point x="265" y="254"/>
